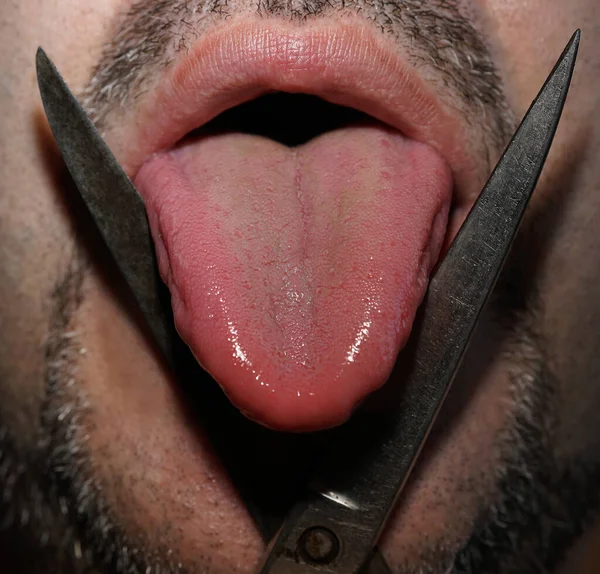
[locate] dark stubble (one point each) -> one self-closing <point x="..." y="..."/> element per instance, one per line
<point x="51" y="508"/>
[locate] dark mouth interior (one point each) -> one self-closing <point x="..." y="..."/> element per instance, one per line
<point x="290" y="119"/>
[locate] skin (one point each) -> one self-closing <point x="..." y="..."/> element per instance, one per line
<point x="139" y="469"/>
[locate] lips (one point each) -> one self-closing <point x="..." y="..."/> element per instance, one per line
<point x="295" y="273"/>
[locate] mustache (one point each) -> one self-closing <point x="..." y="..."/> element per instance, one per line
<point x="435" y="35"/>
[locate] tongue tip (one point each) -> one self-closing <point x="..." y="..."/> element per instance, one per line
<point x="303" y="421"/>
<point x="298" y="404"/>
<point x="302" y="415"/>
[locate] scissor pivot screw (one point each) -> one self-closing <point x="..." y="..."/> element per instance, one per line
<point x="319" y="545"/>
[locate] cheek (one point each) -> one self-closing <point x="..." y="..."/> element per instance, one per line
<point x="35" y="233"/>
<point x="528" y="35"/>
<point x="71" y="31"/>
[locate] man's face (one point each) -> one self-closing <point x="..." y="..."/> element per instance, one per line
<point x="296" y="251"/>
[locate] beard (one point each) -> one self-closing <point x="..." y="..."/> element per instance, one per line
<point x="54" y="516"/>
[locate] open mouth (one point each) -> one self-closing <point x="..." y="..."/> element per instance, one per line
<point x="295" y="222"/>
<point x="288" y="119"/>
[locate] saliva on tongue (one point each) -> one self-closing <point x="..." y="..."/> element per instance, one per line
<point x="295" y="273"/>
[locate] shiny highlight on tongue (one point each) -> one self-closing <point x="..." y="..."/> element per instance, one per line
<point x="295" y="274"/>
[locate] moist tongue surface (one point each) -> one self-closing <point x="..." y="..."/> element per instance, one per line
<point x="295" y="274"/>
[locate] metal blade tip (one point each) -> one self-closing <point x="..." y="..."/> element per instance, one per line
<point x="41" y="58"/>
<point x="572" y="47"/>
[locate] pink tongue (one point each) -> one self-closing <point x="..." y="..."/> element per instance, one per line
<point x="295" y="274"/>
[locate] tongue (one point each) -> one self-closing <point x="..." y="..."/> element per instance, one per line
<point x="295" y="274"/>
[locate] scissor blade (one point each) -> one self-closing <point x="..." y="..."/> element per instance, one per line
<point x="354" y="491"/>
<point x="111" y="198"/>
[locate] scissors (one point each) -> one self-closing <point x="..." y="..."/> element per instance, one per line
<point x="334" y="524"/>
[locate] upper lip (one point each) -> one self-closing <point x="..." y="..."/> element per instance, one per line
<point x="346" y="63"/>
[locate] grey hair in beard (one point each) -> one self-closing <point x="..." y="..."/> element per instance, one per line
<point x="53" y="515"/>
<point x="50" y="502"/>
<point x="434" y="34"/>
<point x="53" y="512"/>
<point x="541" y="504"/>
